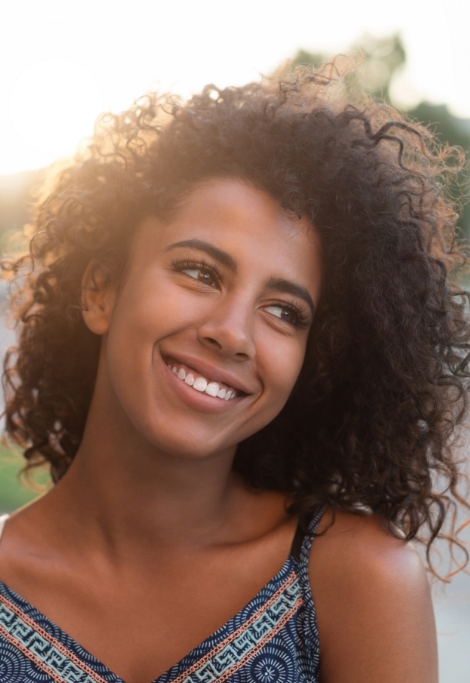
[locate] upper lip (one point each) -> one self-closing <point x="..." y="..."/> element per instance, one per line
<point x="210" y="371"/>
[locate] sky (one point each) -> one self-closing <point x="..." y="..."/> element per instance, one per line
<point x="64" y="62"/>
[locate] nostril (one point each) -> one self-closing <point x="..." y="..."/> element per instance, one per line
<point x="214" y="342"/>
<point x="226" y="340"/>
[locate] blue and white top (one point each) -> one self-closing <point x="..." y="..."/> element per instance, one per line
<point x="273" y="639"/>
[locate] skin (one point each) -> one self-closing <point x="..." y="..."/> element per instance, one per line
<point x="374" y="610"/>
<point x="150" y="524"/>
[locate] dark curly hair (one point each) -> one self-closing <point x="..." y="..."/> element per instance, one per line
<point x="371" y="421"/>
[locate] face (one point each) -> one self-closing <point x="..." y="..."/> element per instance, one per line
<point x="206" y="336"/>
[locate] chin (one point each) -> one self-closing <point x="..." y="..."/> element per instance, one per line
<point x="190" y="441"/>
<point x="189" y="449"/>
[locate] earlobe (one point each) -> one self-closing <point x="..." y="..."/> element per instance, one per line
<point x="98" y="297"/>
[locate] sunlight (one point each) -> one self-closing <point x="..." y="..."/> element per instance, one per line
<point x="56" y="78"/>
<point x="53" y="104"/>
<point x="62" y="67"/>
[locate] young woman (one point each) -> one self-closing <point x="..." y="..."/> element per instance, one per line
<point x="237" y="334"/>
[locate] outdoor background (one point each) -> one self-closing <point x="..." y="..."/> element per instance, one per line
<point x="61" y="64"/>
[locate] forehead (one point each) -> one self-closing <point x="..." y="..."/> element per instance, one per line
<point x="243" y="220"/>
<point x="239" y="202"/>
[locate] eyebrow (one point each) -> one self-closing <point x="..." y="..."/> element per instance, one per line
<point x="277" y="284"/>
<point x="288" y="287"/>
<point x="218" y="254"/>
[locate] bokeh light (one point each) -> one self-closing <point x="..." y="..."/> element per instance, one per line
<point x="76" y="59"/>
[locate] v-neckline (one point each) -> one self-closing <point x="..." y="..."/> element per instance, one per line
<point x="75" y="649"/>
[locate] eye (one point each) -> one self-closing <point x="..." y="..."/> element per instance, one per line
<point x="289" y="314"/>
<point x="199" y="271"/>
<point x="201" y="275"/>
<point x="283" y="313"/>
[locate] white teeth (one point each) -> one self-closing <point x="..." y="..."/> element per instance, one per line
<point x="212" y="389"/>
<point x="200" y="384"/>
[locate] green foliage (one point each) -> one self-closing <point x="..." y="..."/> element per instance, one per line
<point x="13" y="492"/>
<point x="380" y="59"/>
<point x="304" y="58"/>
<point x="456" y="132"/>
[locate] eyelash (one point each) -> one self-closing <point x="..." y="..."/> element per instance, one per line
<point x="197" y="265"/>
<point x="302" y="319"/>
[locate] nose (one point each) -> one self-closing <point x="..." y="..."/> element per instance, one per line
<point x="228" y="329"/>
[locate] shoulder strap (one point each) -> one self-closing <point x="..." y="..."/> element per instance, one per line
<point x="306" y="528"/>
<point x="311" y="630"/>
<point x="310" y="535"/>
<point x="3" y="519"/>
<point x="316" y="519"/>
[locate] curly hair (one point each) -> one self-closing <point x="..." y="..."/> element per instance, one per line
<point x="371" y="421"/>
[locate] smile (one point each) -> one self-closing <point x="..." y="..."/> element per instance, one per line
<point x="201" y="384"/>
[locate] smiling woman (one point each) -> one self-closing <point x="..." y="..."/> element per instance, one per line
<point x="213" y="311"/>
<point x="237" y="334"/>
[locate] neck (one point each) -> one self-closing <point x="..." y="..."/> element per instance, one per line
<point x="129" y="493"/>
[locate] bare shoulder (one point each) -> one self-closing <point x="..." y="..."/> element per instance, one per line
<point x="373" y="604"/>
<point x="360" y="547"/>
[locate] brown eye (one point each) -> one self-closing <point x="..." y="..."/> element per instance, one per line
<point x="289" y="314"/>
<point x="201" y="274"/>
<point x="206" y="277"/>
<point x="283" y="313"/>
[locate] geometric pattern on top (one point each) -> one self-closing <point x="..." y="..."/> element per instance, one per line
<point x="273" y="639"/>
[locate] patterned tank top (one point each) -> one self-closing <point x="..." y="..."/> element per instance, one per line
<point x="273" y="639"/>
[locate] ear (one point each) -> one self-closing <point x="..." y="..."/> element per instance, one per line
<point x="98" y="297"/>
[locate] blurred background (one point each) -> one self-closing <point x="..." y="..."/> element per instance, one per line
<point x="61" y="64"/>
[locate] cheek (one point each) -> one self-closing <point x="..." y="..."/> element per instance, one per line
<point x="163" y="307"/>
<point x="281" y="362"/>
<point x="153" y="307"/>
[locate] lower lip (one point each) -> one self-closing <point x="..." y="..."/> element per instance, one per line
<point x="197" y="399"/>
